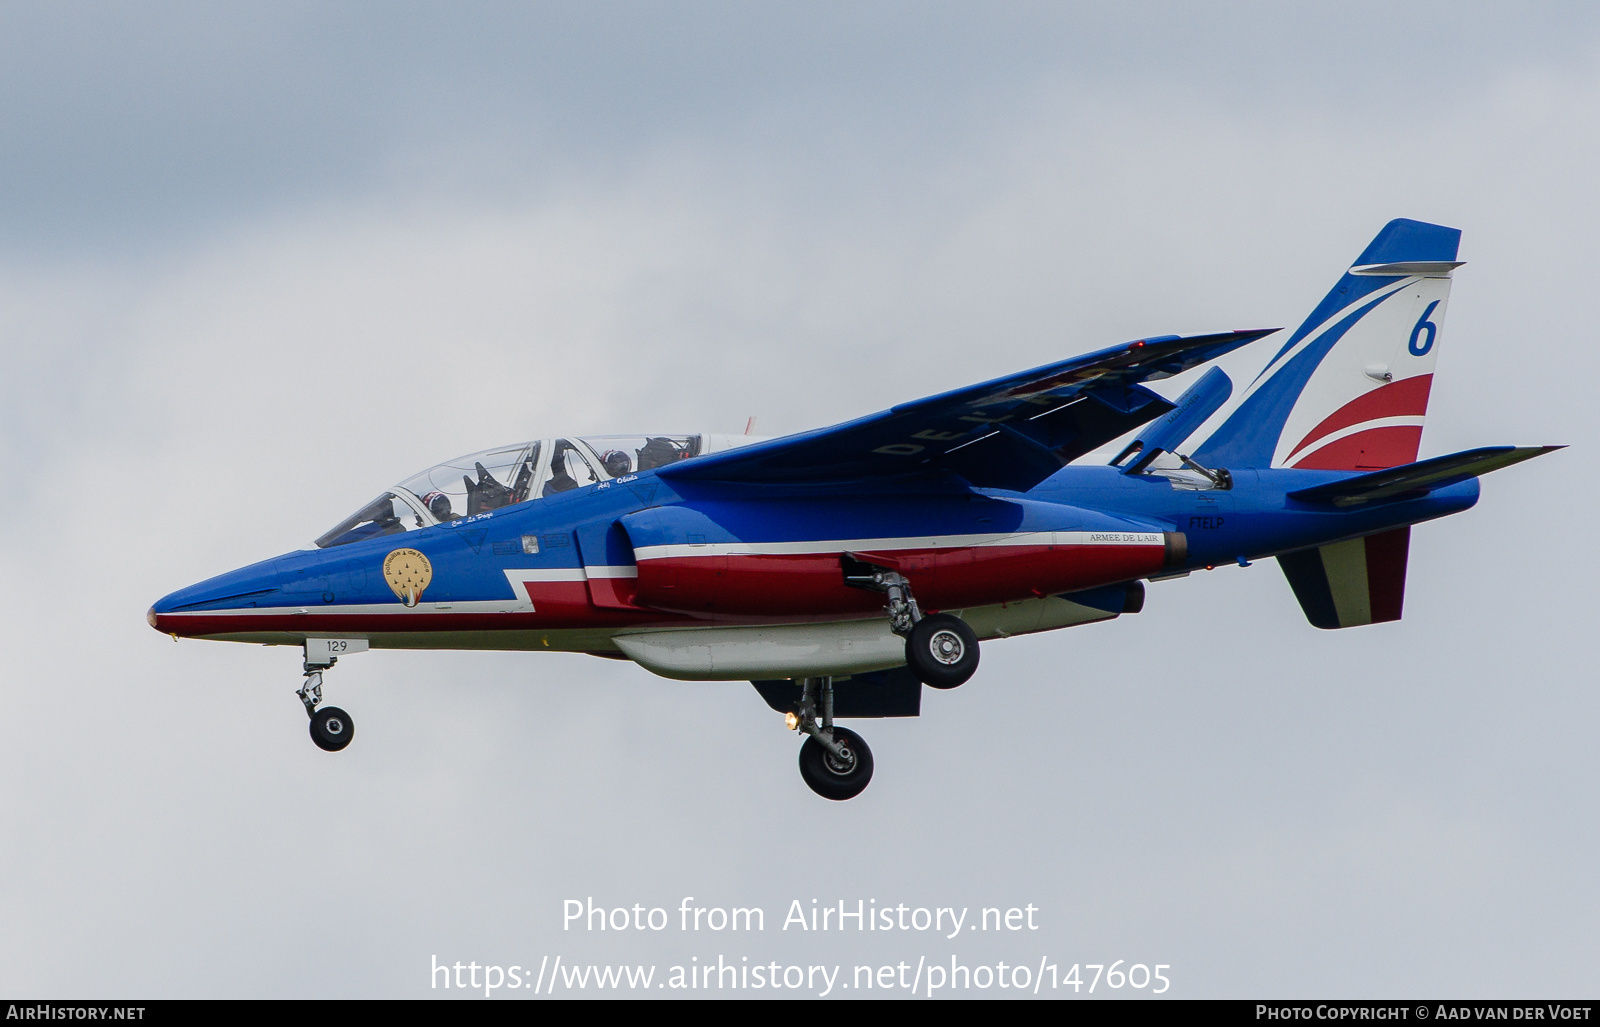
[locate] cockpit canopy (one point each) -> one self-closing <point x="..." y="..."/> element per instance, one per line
<point x="494" y="478"/>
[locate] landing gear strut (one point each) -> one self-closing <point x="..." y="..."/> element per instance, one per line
<point x="331" y="727"/>
<point x="834" y="761"/>
<point x="940" y="649"/>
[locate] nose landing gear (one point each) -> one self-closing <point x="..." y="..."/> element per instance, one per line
<point x="331" y="728"/>
<point x="834" y="761"/>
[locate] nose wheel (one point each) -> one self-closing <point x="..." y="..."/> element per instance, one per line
<point x="331" y="728"/>
<point x="837" y="775"/>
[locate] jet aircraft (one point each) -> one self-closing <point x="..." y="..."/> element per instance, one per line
<point x="842" y="569"/>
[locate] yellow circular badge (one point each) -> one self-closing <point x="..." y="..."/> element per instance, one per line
<point x="408" y="572"/>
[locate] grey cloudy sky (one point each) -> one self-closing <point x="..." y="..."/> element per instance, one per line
<point x="238" y="243"/>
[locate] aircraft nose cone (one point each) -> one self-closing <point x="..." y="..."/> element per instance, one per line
<point x="175" y="614"/>
<point x="158" y="614"/>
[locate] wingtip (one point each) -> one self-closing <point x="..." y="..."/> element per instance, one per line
<point x="1517" y="454"/>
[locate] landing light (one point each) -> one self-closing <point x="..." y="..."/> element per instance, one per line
<point x="791" y="720"/>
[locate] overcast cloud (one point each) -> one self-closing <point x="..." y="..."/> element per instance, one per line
<point x="258" y="263"/>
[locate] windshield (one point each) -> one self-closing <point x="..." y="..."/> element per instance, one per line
<point x="458" y="488"/>
<point x="389" y="514"/>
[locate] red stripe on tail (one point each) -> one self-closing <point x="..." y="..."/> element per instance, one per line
<point x="1372" y="450"/>
<point x="1407" y="398"/>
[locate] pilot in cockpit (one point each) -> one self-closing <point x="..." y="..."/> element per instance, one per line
<point x="617" y="463"/>
<point x="439" y="505"/>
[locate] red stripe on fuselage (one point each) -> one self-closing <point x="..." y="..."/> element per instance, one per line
<point x="612" y="593"/>
<point x="769" y="585"/>
<point x="813" y="583"/>
<point x="561" y="602"/>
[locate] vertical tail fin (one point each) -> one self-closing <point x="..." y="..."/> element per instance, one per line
<point x="1349" y="390"/>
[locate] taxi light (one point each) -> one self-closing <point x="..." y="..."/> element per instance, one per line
<point x="791" y="720"/>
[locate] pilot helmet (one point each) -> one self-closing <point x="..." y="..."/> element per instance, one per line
<point x="616" y="463"/>
<point x="438" y="503"/>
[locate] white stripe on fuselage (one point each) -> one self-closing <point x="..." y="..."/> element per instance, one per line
<point x="519" y="577"/>
<point x="883" y="545"/>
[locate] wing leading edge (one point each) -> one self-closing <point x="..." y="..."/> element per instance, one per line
<point x="1010" y="433"/>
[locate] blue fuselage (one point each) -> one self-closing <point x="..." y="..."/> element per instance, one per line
<point x="639" y="553"/>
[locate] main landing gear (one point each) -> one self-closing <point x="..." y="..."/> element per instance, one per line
<point x="940" y="649"/>
<point x="331" y="728"/>
<point x="834" y="761"/>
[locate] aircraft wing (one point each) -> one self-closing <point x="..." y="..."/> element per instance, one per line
<point x="1010" y="433"/>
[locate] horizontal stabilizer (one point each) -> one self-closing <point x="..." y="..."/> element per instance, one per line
<point x="1409" y="268"/>
<point x="1423" y="476"/>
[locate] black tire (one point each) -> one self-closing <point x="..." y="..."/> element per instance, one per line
<point x="332" y="728"/>
<point x="827" y="776"/>
<point x="942" y="651"/>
